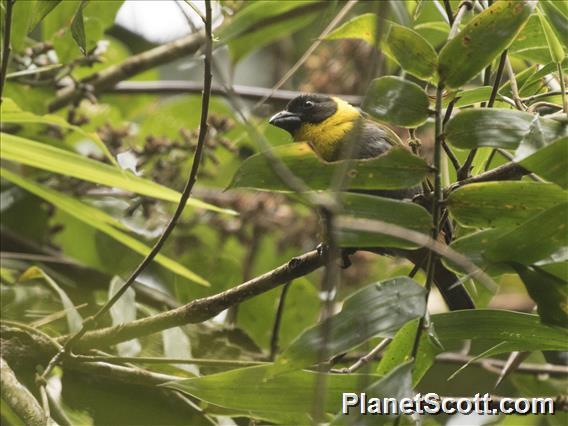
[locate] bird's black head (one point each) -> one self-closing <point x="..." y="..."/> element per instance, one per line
<point x="304" y="109"/>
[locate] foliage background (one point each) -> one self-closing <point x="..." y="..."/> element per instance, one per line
<point x="87" y="187"/>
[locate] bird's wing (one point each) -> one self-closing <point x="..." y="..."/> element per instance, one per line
<point x="373" y="139"/>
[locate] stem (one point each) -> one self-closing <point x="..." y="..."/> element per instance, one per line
<point x="447" y="149"/>
<point x="205" y="308"/>
<point x="91" y="323"/>
<point x="514" y="86"/>
<point x="563" y="88"/>
<point x="158" y="360"/>
<point x="6" y="49"/>
<point x="449" y="12"/>
<point x="367" y="358"/>
<point x="277" y="321"/>
<point x="464" y="171"/>
<point x="436" y="213"/>
<point x="328" y="290"/>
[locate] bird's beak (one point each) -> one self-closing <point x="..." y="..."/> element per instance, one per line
<point x="286" y="120"/>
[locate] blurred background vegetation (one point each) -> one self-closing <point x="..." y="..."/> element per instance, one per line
<point x="73" y="226"/>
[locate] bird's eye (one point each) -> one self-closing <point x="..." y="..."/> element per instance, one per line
<point x="308" y="104"/>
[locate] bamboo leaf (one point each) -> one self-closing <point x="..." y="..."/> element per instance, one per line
<point x="402" y="44"/>
<point x="52" y="159"/>
<point x="12" y="113"/>
<point x="499" y="128"/>
<point x="550" y="162"/>
<point x="395" y="169"/>
<point x="402" y="213"/>
<point x="499" y="204"/>
<point x="397" y="101"/>
<point x="377" y="310"/>
<point x="74" y="319"/>
<point x="98" y="220"/>
<point x="482" y="40"/>
<point x="255" y="390"/>
<point x="549" y="292"/>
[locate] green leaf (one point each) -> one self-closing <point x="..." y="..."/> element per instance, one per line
<point x="530" y="43"/>
<point x="404" y="45"/>
<point x="550" y="162"/>
<point x="503" y="331"/>
<point x="40" y="10"/>
<point x="399" y="350"/>
<point x="98" y="220"/>
<point x="556" y="50"/>
<point x="474" y="245"/>
<point x="377" y="310"/>
<point x="396" y="384"/>
<point x="395" y="169"/>
<point x="397" y="101"/>
<point x="402" y="213"/>
<point x="549" y="292"/>
<point x="473" y="96"/>
<point x="253" y="389"/>
<point x="74" y="319"/>
<point x="45" y="157"/>
<point x="557" y="14"/>
<point x="78" y="29"/>
<point x="534" y="239"/>
<point x="495" y="204"/>
<point x="12" y="113"/>
<point x="258" y="13"/>
<point x="482" y="40"/>
<point x="498" y="128"/>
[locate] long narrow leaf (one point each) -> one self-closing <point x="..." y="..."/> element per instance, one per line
<point x="98" y="220"/>
<point x="42" y="156"/>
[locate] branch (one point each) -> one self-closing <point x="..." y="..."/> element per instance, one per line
<point x="508" y="171"/>
<point x="200" y="310"/>
<point x="19" y="398"/>
<point x="134" y="65"/>
<point x="436" y="206"/>
<point x="175" y="87"/>
<point x="91" y="322"/>
<point x="6" y="49"/>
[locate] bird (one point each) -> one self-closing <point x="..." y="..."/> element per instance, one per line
<point x="336" y="130"/>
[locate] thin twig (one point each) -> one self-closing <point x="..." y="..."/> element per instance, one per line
<point x="159" y="360"/>
<point x="19" y="398"/>
<point x="510" y="157"/>
<point x="436" y="212"/>
<point x="453" y="159"/>
<point x="562" y="88"/>
<point x="175" y="87"/>
<point x="108" y="77"/>
<point x="449" y="12"/>
<point x="200" y="310"/>
<point x="466" y="168"/>
<point x="514" y="86"/>
<point x="328" y="291"/>
<point x="334" y="22"/>
<point x="91" y="322"/>
<point x="539" y="96"/>
<point x="6" y="48"/>
<point x="463" y="7"/>
<point x="365" y="358"/>
<point x="277" y="321"/>
<point x="508" y="171"/>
